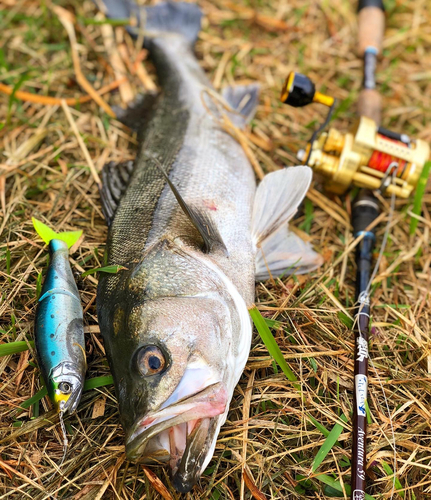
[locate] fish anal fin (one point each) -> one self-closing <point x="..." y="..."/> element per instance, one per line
<point x="243" y="99"/>
<point x="277" y="199"/>
<point x="201" y="221"/>
<point x="283" y="253"/>
<point x="115" y="178"/>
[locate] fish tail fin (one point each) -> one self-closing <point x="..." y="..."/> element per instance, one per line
<point x="181" y="18"/>
<point x="243" y="99"/>
<point x="162" y="19"/>
<point x="278" y="249"/>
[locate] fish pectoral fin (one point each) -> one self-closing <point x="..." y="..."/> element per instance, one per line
<point x="115" y="178"/>
<point x="277" y="199"/>
<point x="243" y="99"/>
<point x="201" y="221"/>
<point x="284" y="252"/>
<point x="278" y="249"/>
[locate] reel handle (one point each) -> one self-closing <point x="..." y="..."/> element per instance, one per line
<point x="299" y="91"/>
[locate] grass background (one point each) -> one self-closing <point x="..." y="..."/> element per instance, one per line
<point x="271" y="446"/>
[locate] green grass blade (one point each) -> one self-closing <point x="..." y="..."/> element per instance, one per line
<point x="96" y="22"/>
<point x="89" y="384"/>
<point x="107" y="269"/>
<point x="271" y="344"/>
<point x="14" y="347"/>
<point x="309" y="216"/>
<point x="39" y="285"/>
<point x="8" y="260"/>
<point x="272" y="323"/>
<point x="93" y="383"/>
<point x="333" y="483"/>
<point x="419" y="194"/>
<point x="367" y="409"/>
<point x="34" y="399"/>
<point x="318" y="425"/>
<point x="15" y="89"/>
<point x="328" y="444"/>
<point x="398" y="486"/>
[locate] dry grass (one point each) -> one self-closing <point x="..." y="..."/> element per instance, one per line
<point x="47" y="172"/>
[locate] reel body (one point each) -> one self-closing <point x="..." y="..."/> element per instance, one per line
<point x="364" y="157"/>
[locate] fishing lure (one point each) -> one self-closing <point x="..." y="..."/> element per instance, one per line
<point x="59" y="333"/>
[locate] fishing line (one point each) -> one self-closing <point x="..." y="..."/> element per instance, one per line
<point x="65" y="442"/>
<point x="365" y="298"/>
<point x="387" y="229"/>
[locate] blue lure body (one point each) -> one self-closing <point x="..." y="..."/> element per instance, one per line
<point x="59" y="332"/>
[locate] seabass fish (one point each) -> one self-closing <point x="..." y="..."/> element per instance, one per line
<point x="187" y="223"/>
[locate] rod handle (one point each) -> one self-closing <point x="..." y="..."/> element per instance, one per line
<point x="371" y="26"/>
<point x="370" y="105"/>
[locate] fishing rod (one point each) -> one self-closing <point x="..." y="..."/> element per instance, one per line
<point x="372" y="158"/>
<point x="365" y="209"/>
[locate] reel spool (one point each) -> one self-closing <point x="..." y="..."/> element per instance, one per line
<point x="365" y="157"/>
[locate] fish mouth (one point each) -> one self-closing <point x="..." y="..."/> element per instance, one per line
<point x="185" y="432"/>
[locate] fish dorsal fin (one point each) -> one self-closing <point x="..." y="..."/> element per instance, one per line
<point x="243" y="99"/>
<point x="278" y="249"/>
<point x="115" y="178"/>
<point x="283" y="253"/>
<point x="202" y="222"/>
<point x="277" y="199"/>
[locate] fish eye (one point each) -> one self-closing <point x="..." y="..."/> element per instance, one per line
<point x="65" y="387"/>
<point x="151" y="360"/>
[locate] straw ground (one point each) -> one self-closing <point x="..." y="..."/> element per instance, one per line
<point x="51" y="155"/>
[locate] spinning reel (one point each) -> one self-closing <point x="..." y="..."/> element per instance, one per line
<point x="365" y="157"/>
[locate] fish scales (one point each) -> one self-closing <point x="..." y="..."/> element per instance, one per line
<point x="206" y="164"/>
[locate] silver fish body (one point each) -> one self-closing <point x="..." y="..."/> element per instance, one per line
<point x="175" y="323"/>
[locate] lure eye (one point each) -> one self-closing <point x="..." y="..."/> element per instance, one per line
<point x="151" y="360"/>
<point x="65" y="387"/>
